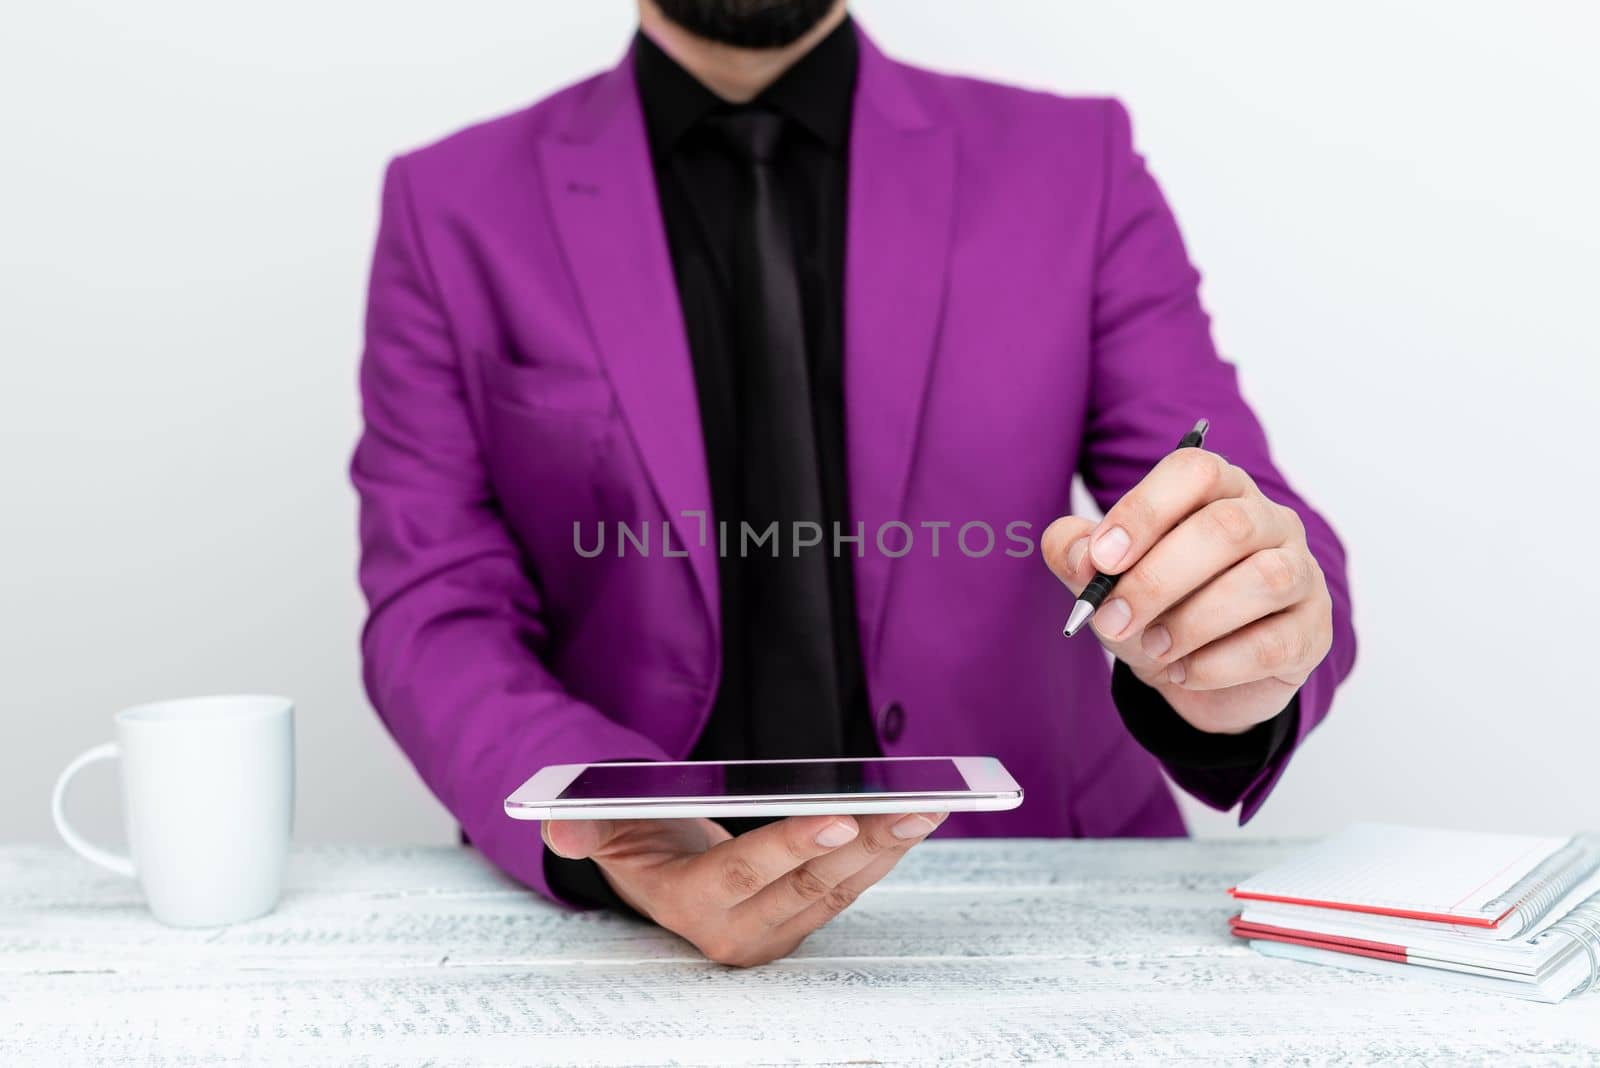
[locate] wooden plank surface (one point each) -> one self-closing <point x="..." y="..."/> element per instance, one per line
<point x="988" y="952"/>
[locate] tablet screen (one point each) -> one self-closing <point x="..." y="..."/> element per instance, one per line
<point x="611" y="781"/>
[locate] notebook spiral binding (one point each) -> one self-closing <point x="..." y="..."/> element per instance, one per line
<point x="1582" y="925"/>
<point x="1536" y="892"/>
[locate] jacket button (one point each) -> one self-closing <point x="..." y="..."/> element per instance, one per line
<point x="894" y="721"/>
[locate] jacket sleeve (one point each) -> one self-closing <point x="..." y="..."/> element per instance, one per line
<point x="1155" y="371"/>
<point x="454" y="635"/>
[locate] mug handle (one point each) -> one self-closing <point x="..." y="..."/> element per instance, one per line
<point x="117" y="862"/>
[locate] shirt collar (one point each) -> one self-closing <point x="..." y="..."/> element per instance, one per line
<point x="816" y="92"/>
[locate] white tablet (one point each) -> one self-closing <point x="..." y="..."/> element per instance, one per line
<point x="683" y="789"/>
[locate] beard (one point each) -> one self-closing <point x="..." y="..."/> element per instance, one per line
<point x="747" y="23"/>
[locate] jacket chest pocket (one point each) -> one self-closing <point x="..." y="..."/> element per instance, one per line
<point x="557" y="455"/>
<point x="545" y="388"/>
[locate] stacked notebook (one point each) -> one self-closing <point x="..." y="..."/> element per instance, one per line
<point x="1510" y="914"/>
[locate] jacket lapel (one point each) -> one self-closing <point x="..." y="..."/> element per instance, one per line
<point x="601" y="188"/>
<point x="902" y="184"/>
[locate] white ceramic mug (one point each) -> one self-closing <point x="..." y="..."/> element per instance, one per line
<point x="208" y="797"/>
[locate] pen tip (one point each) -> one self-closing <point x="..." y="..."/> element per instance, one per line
<point x="1081" y="611"/>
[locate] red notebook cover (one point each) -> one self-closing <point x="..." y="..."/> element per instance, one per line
<point x="1358" y="946"/>
<point x="1374" y="910"/>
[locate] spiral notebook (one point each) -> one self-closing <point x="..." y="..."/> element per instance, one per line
<point x="1574" y="975"/>
<point x="1499" y="883"/>
<point x="1513" y="914"/>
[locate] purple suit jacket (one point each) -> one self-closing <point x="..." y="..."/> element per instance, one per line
<point x="1018" y="308"/>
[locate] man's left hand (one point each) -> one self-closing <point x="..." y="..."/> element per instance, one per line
<point x="1220" y="605"/>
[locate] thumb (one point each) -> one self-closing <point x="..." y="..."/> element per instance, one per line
<point x="574" y="839"/>
<point x="1065" y="544"/>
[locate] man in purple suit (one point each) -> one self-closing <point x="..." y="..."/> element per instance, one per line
<point x="720" y="405"/>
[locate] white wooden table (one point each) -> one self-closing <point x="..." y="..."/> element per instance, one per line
<point x="989" y="952"/>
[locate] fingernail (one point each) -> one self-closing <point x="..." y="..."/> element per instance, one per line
<point x="576" y="829"/>
<point x="1075" y="554"/>
<point x="913" y="827"/>
<point x="1110" y="548"/>
<point x="1113" y="617"/>
<point x="835" y="834"/>
<point x="1175" y="673"/>
<point x="1156" y="641"/>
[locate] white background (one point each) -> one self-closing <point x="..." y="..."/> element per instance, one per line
<point x="1393" y="204"/>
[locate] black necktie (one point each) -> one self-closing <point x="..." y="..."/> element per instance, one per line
<point x="792" y="678"/>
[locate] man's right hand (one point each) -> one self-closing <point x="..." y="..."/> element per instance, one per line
<point x="745" y="900"/>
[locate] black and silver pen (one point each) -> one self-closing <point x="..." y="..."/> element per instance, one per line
<point x="1101" y="585"/>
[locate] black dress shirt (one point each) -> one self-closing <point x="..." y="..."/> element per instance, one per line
<point x="698" y="183"/>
